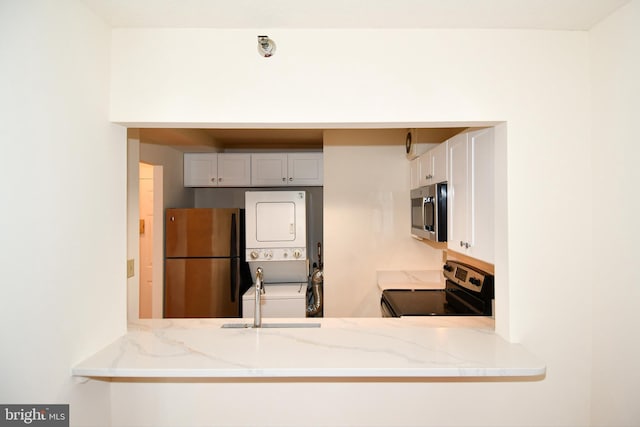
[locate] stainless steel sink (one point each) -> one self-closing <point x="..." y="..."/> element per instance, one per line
<point x="271" y="325"/>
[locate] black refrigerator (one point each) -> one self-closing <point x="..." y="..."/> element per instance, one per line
<point x="204" y="263"/>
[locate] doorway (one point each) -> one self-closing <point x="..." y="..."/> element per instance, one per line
<point x="150" y="231"/>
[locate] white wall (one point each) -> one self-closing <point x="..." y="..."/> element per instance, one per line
<point x="63" y="173"/>
<point x="366" y="205"/>
<point x="536" y="81"/>
<point x="66" y="294"/>
<point x="615" y="67"/>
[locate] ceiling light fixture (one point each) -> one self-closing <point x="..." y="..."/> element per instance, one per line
<point x="266" y="46"/>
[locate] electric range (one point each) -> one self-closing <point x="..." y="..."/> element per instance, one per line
<point x="468" y="291"/>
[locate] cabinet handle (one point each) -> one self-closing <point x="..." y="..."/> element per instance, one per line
<point x="213" y="180"/>
<point x="290" y="178"/>
<point x="219" y="179"/>
<point x="284" y="179"/>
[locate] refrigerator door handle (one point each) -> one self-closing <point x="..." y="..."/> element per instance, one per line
<point x="234" y="254"/>
<point x="233" y="244"/>
<point x="234" y="277"/>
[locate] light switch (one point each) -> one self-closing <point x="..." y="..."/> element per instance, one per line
<point x="130" y="268"/>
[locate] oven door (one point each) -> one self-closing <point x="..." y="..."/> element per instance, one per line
<point x="409" y="302"/>
<point x="430" y="302"/>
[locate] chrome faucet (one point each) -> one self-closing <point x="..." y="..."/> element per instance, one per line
<point x="257" y="314"/>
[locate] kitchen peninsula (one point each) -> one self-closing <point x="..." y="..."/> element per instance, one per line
<point x="421" y="347"/>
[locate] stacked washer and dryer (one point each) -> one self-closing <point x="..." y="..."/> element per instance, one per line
<point x="276" y="240"/>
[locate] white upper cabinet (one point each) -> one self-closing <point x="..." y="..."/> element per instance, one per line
<point x="269" y="169"/>
<point x="430" y="167"/>
<point x="470" y="194"/>
<point x="234" y="170"/>
<point x="414" y="173"/>
<point x="278" y="169"/>
<point x="253" y="169"/>
<point x="439" y="165"/>
<point x="425" y="165"/>
<point x="200" y="169"/>
<point x="217" y="170"/>
<point x="458" y="189"/>
<point x="305" y="169"/>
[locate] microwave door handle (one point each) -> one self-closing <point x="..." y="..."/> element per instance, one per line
<point x="428" y="204"/>
<point x="425" y="206"/>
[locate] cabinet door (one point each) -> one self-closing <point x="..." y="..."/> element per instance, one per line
<point x="425" y="162"/>
<point x="470" y="195"/>
<point x="481" y="238"/>
<point x="234" y="170"/>
<point x="305" y="169"/>
<point x="200" y="169"/>
<point x="458" y="194"/>
<point x="414" y="173"/>
<point x="439" y="163"/>
<point x="269" y="169"/>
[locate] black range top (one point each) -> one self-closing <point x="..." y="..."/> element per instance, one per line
<point x="468" y="292"/>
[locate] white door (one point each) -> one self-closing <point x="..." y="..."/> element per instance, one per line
<point x="482" y="199"/>
<point x="146" y="240"/>
<point x="458" y="193"/>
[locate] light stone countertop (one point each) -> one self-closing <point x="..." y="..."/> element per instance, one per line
<point x="433" y="347"/>
<point x="410" y="279"/>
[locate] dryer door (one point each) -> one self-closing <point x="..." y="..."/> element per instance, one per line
<point x="276" y="222"/>
<point x="275" y="219"/>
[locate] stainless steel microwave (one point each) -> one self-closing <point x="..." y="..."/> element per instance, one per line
<point x="429" y="212"/>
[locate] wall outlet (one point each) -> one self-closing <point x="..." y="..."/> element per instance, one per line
<point x="130" y="268"/>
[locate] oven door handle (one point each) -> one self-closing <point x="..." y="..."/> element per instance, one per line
<point x="385" y="309"/>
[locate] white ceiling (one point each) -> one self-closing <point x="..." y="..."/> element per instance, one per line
<point x="269" y="14"/>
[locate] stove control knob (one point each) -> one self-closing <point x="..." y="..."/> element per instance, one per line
<point x="447" y="267"/>
<point x="474" y="281"/>
<point x="268" y="254"/>
<point x="297" y="253"/>
<point x="254" y="255"/>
